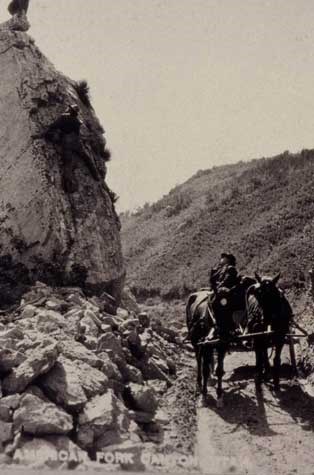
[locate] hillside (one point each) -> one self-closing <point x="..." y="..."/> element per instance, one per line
<point x="262" y="211"/>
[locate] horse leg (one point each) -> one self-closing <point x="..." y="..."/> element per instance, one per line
<point x="198" y="354"/>
<point x="277" y="364"/>
<point x="207" y="363"/>
<point x="221" y="351"/>
<point x="259" y="356"/>
<point x="266" y="364"/>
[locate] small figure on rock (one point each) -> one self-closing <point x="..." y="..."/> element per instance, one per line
<point x="18" y="7"/>
<point x="69" y="125"/>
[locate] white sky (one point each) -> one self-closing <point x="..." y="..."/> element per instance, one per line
<point x="181" y="85"/>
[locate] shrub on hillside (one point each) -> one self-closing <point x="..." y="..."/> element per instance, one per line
<point x="83" y="91"/>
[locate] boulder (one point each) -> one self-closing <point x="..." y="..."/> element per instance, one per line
<point x="49" y="321"/>
<point x="72" y="319"/>
<point x="151" y="370"/>
<point x="141" y="398"/>
<point x="142" y="417"/>
<point x="111" y="321"/>
<point x="109" y="368"/>
<point x="106" y="328"/>
<point x="88" y="325"/>
<point x="134" y="343"/>
<point x="29" y="311"/>
<point x="122" y="313"/>
<point x="71" y="383"/>
<point x="57" y="305"/>
<point x="128" y="301"/>
<point x="130" y="324"/>
<point x="6" y="432"/>
<point x="171" y="366"/>
<point x="13" y="333"/>
<point x="160" y="387"/>
<point x="9" y="359"/>
<point x="107" y="303"/>
<point x="144" y="319"/>
<point x="39" y="361"/>
<point x="93" y="381"/>
<point x="111" y="343"/>
<point x="74" y="351"/>
<point x="63" y="385"/>
<point x="7" y="407"/>
<point x="36" y="417"/>
<point x="98" y="417"/>
<point x="131" y="374"/>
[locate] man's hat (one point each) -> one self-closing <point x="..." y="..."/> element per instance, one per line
<point x="231" y="258"/>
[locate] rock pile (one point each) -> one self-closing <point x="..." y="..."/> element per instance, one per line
<point x="78" y="379"/>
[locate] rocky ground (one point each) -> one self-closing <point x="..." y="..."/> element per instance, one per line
<point x="78" y="381"/>
<point x="84" y="386"/>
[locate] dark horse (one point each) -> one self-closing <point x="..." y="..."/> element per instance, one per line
<point x="268" y="309"/>
<point x="258" y="306"/>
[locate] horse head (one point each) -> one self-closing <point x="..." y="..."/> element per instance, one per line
<point x="271" y="306"/>
<point x="266" y="290"/>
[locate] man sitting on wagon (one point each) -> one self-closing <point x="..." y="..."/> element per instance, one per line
<point x="225" y="275"/>
<point x="224" y="279"/>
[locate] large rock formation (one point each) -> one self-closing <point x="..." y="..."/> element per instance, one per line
<point x="52" y="234"/>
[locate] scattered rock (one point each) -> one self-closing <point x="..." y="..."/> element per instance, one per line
<point x="29" y="311"/>
<point x="132" y="375"/>
<point x="142" y="417"/>
<point x="74" y="351"/>
<point x="141" y="398"/>
<point x="88" y="323"/>
<point x="130" y="324"/>
<point x="144" y="319"/>
<point x="34" y="416"/>
<point x="38" y="362"/>
<point x="122" y="313"/>
<point x="49" y="321"/>
<point x="7" y="406"/>
<point x="63" y="386"/>
<point x="99" y="416"/>
<point x="151" y="370"/>
<point x="109" y="368"/>
<point x="10" y="359"/>
<point x="128" y="301"/>
<point x="110" y="321"/>
<point x="110" y="342"/>
<point x="6" y="432"/>
<point x="71" y="383"/>
<point x="160" y="387"/>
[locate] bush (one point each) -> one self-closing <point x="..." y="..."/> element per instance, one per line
<point x="83" y="91"/>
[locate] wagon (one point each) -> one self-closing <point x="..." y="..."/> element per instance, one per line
<point x="236" y="341"/>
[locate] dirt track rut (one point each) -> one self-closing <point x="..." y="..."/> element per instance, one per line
<point x="255" y="433"/>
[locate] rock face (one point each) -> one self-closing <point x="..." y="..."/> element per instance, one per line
<point x="47" y="233"/>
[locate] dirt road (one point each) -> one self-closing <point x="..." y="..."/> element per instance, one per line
<point x="255" y="433"/>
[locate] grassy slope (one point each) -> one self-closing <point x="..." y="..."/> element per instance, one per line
<point x="262" y="211"/>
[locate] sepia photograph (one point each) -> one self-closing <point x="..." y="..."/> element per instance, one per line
<point x="156" y="237"/>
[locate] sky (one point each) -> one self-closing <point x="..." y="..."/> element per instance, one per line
<point x="184" y="85"/>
